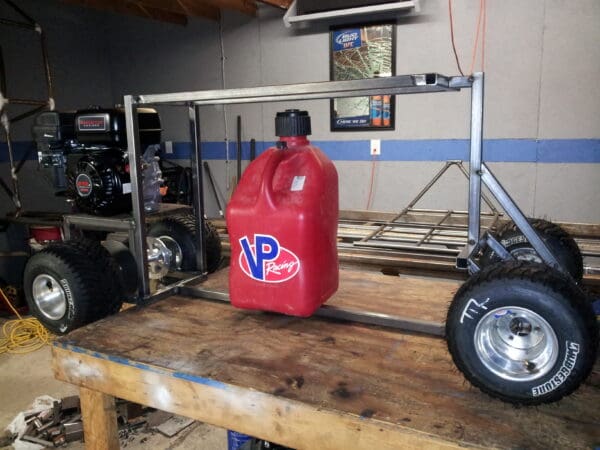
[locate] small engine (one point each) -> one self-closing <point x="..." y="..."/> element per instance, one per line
<point x="87" y="154"/>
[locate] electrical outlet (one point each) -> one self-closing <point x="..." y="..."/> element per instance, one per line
<point x="168" y="147"/>
<point x="375" y="149"/>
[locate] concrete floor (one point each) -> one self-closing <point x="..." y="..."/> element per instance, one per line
<point x="25" y="377"/>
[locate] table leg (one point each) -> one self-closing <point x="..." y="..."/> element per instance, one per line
<point x="99" y="420"/>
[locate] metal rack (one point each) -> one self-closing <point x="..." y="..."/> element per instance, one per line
<point x="438" y="233"/>
<point x="397" y="85"/>
<point x="26" y="23"/>
<point x="440" y="237"/>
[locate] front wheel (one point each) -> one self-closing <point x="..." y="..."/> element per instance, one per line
<point x="522" y="332"/>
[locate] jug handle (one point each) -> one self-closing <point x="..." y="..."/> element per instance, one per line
<point x="266" y="187"/>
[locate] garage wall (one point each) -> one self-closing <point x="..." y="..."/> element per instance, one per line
<point x="542" y="110"/>
<point x="541" y="116"/>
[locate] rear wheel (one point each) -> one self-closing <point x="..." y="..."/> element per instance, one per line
<point x="178" y="233"/>
<point x="561" y="244"/>
<point x="65" y="289"/>
<point x="522" y="332"/>
<point x="125" y="267"/>
<point x="105" y="264"/>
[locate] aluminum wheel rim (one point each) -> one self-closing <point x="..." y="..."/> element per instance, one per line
<point x="526" y="254"/>
<point x="516" y="343"/>
<point x="49" y="297"/>
<point x="175" y="248"/>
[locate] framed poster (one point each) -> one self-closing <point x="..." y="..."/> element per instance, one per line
<point x="358" y="52"/>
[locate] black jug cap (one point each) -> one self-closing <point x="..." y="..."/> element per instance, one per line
<point x="292" y="122"/>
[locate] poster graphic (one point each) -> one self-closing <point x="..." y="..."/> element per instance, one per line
<point x="356" y="53"/>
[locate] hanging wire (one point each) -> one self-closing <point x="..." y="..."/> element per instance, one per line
<point x="452" y="37"/>
<point x="372" y="182"/>
<point x="476" y="42"/>
<point x="480" y="32"/>
<point x="483" y="35"/>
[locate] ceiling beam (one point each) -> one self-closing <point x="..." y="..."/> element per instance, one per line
<point x="200" y="9"/>
<point x="160" y="14"/>
<point x="133" y="9"/>
<point x="283" y="4"/>
<point x="244" y="6"/>
<point x="182" y="7"/>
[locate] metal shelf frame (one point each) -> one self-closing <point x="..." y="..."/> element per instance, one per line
<point x="396" y="85"/>
<point x="25" y="22"/>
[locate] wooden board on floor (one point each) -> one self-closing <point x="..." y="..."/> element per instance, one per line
<point x="313" y="383"/>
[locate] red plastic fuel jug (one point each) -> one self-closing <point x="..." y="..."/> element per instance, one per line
<point x="282" y="223"/>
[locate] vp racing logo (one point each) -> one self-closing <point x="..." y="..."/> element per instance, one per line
<point x="266" y="260"/>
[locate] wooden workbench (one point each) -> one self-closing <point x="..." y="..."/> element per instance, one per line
<point x="308" y="383"/>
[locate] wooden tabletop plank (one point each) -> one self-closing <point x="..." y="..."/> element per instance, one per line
<point x="407" y="296"/>
<point x="360" y="376"/>
<point x="259" y="414"/>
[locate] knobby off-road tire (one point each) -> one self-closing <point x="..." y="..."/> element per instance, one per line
<point x="561" y="244"/>
<point x="127" y="272"/>
<point x="181" y="230"/>
<point x="67" y="286"/>
<point x="114" y="290"/>
<point x="522" y="332"/>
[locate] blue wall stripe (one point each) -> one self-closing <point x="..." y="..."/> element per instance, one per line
<point x="557" y="150"/>
<point x="495" y="150"/>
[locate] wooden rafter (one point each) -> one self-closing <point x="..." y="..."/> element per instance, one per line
<point x="172" y="11"/>
<point x="200" y="9"/>
<point x="283" y="4"/>
<point x="177" y="11"/>
<point x="184" y="7"/>
<point x="133" y="9"/>
<point x="244" y="6"/>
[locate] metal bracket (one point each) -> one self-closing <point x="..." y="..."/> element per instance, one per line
<point x="466" y="260"/>
<point x="479" y="172"/>
<point x="519" y="219"/>
<point x="497" y="247"/>
<point x="463" y="258"/>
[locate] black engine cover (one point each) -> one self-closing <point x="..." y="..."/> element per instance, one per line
<point x="99" y="182"/>
<point x="106" y="127"/>
<point x="93" y="142"/>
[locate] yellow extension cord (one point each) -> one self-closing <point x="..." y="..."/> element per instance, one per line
<point x="22" y="335"/>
